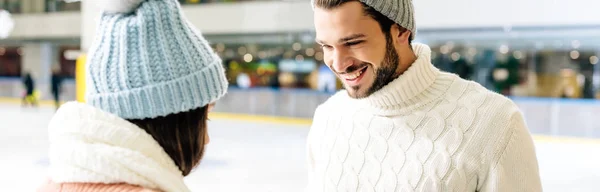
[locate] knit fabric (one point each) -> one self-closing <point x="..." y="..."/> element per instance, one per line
<point x="400" y="11"/>
<point x="151" y="62"/>
<point x="50" y="186"/>
<point x="88" y="145"/>
<point x="425" y="131"/>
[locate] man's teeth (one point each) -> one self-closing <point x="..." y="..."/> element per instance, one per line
<point x="353" y="75"/>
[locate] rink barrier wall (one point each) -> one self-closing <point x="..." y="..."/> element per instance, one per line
<point x="306" y="122"/>
<point x="547" y="118"/>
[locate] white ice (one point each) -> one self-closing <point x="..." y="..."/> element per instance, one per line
<point x="254" y="157"/>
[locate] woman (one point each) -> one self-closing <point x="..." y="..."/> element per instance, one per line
<point x="151" y="79"/>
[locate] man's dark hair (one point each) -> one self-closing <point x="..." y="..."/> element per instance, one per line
<point x="384" y="22"/>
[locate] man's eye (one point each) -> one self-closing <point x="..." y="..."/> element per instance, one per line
<point x="354" y="43"/>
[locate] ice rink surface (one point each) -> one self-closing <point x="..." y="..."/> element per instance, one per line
<point x="257" y="157"/>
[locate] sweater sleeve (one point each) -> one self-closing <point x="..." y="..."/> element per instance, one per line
<point x="517" y="167"/>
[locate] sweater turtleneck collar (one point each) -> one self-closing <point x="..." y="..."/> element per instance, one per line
<point x="419" y="83"/>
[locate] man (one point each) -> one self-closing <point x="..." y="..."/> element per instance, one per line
<point x="29" y="85"/>
<point x="56" y="86"/>
<point x="401" y="124"/>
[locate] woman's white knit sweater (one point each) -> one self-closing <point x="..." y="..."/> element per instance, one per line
<point x="425" y="131"/>
<point x="88" y="145"/>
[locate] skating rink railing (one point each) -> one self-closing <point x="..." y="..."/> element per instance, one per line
<point x="546" y="116"/>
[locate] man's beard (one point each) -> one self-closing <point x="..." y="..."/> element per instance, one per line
<point x="385" y="74"/>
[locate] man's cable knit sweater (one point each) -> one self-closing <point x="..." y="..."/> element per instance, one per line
<point x="425" y="131"/>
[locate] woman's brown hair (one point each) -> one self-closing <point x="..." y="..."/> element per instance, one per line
<point x="181" y="135"/>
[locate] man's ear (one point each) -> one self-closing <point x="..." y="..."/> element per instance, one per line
<point x="400" y="35"/>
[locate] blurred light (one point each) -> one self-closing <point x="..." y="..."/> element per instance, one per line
<point x="500" y="74"/>
<point x="594" y="60"/>
<point x="243" y="80"/>
<point x="2" y="50"/>
<point x="580" y="79"/>
<point x="570" y="92"/>
<point x="472" y="51"/>
<point x="297" y="46"/>
<point x="319" y="56"/>
<point x="260" y="71"/>
<point x="220" y="47"/>
<point x="433" y="55"/>
<point x="518" y="54"/>
<point x="242" y="50"/>
<point x="310" y="52"/>
<point x="20" y="51"/>
<point x="71" y="54"/>
<point x="444" y="49"/>
<point x="504" y="49"/>
<point x="248" y="57"/>
<point x="576" y="44"/>
<point x="567" y="72"/>
<point x="287" y="78"/>
<point x="6" y="21"/>
<point x="299" y="58"/>
<point x="455" y="56"/>
<point x="574" y="54"/>
<point x="234" y="65"/>
<point x="262" y="54"/>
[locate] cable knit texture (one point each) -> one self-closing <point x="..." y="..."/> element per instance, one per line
<point x="88" y="145"/>
<point x="425" y="131"/>
<point x="90" y="187"/>
<point x="151" y="62"/>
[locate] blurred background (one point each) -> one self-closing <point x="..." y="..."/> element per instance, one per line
<point x="543" y="54"/>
